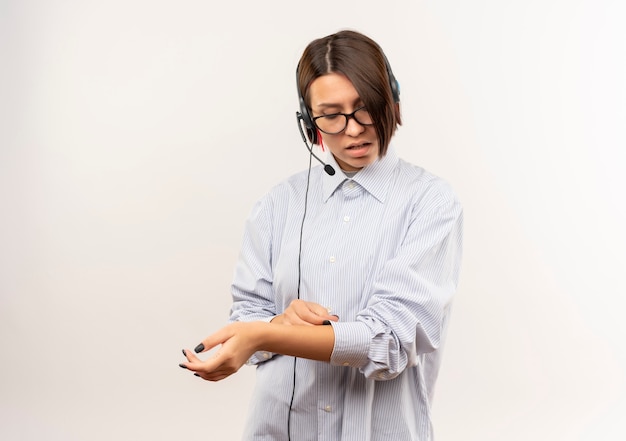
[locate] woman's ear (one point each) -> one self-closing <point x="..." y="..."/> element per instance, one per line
<point x="319" y="137"/>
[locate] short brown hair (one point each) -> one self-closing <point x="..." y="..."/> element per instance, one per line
<point x="363" y="62"/>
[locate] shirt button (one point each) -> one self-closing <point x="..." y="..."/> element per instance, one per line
<point x="328" y="408"/>
<point x="351" y="185"/>
<point x="332" y="259"/>
<point x="346" y="364"/>
<point x="266" y="355"/>
<point x="346" y="218"/>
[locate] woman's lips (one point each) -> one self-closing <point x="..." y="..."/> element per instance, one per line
<point x="356" y="145"/>
<point x="358" y="148"/>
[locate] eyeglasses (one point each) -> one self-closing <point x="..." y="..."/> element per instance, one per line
<point x="334" y="123"/>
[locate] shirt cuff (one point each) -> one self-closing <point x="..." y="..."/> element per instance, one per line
<point x="259" y="357"/>
<point x="352" y="341"/>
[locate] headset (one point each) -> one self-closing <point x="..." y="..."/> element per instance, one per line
<point x="305" y="117"/>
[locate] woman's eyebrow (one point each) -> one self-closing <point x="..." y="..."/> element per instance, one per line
<point x="338" y="105"/>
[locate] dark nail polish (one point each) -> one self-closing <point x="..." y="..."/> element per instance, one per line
<point x="199" y="348"/>
<point x="326" y="322"/>
<point x="197" y="374"/>
<point x="182" y="366"/>
<point x="184" y="353"/>
<point x="336" y="316"/>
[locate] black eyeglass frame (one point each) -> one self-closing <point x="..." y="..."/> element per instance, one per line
<point x="346" y="115"/>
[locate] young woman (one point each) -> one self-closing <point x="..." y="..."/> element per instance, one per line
<point x="343" y="288"/>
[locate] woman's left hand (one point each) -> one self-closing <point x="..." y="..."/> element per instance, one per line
<point x="238" y="343"/>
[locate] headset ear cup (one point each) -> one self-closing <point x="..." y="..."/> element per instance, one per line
<point x="393" y="83"/>
<point x="395" y="89"/>
<point x="309" y="127"/>
<point x="312" y="135"/>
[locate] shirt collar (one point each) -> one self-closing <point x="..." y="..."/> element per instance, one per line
<point x="374" y="178"/>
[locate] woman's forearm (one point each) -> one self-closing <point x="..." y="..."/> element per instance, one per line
<point x="239" y="340"/>
<point x="312" y="342"/>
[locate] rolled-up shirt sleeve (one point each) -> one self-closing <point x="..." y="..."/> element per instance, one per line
<point x="406" y="312"/>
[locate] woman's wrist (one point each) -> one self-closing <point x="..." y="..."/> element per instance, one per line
<point x="312" y="342"/>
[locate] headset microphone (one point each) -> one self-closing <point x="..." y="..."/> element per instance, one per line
<point x="327" y="167"/>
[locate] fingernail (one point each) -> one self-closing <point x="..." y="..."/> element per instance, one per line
<point x="184" y="353"/>
<point x="326" y="322"/>
<point x="182" y="366"/>
<point x="199" y="348"/>
<point x="336" y="316"/>
<point x="197" y="374"/>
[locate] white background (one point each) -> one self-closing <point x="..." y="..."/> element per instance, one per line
<point x="135" y="136"/>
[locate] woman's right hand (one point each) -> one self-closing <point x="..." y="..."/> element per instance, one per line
<point x="300" y="312"/>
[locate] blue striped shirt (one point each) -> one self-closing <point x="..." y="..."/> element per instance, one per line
<point x="382" y="250"/>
